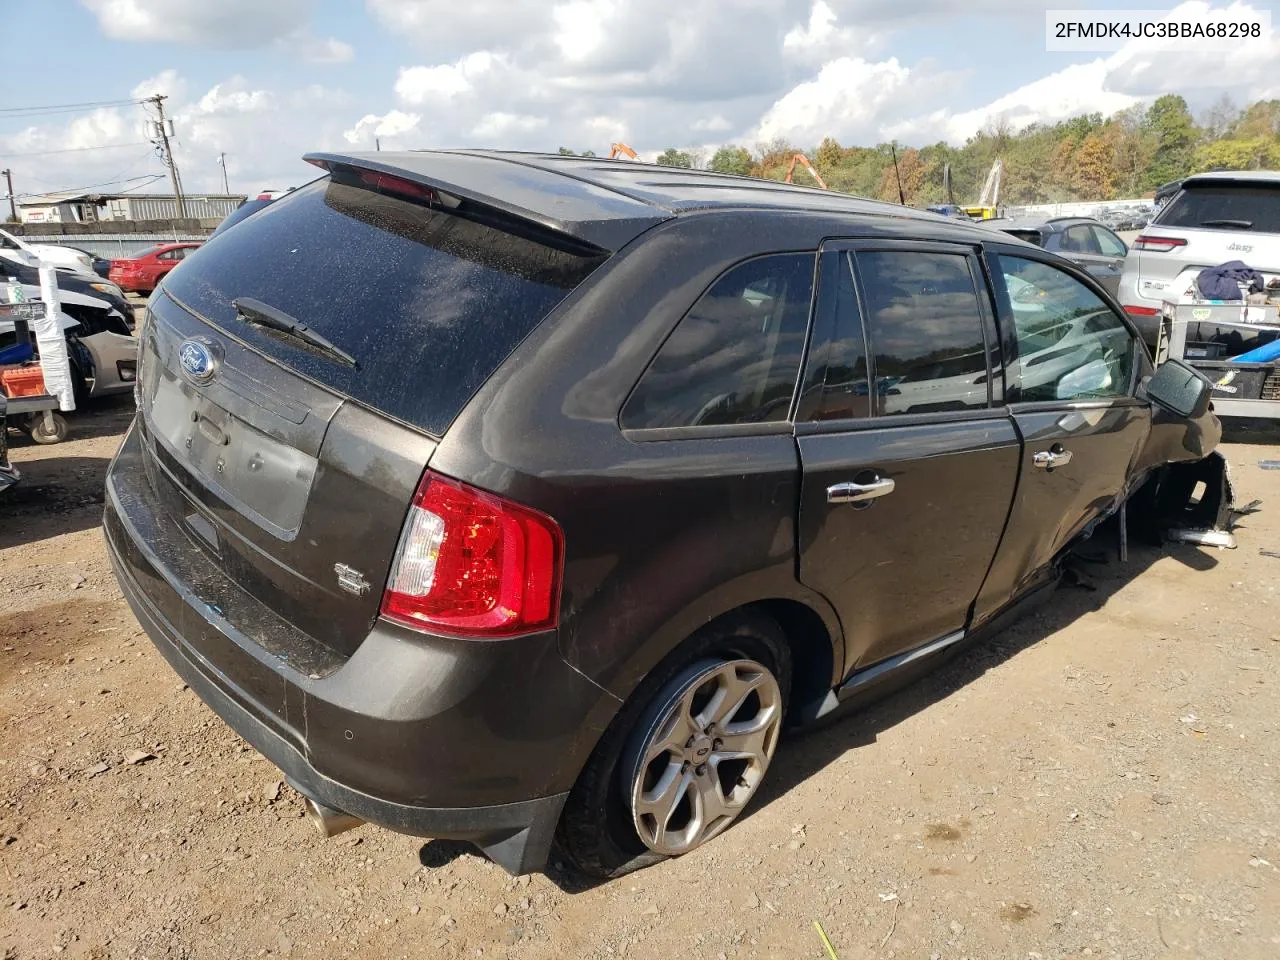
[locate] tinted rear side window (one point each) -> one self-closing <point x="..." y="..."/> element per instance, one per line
<point x="1031" y="236"/>
<point x="735" y="356"/>
<point x="925" y="329"/>
<point x="1241" y="206"/>
<point x="428" y="302"/>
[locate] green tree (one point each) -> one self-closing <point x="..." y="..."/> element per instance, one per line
<point x="732" y="158"/>
<point x="671" y="157"/>
<point x="1134" y="148"/>
<point x="1175" y="136"/>
<point x="829" y="154"/>
<point x="1261" y="119"/>
<point x="1255" y="153"/>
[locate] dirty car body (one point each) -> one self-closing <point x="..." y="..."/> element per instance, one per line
<point x="664" y="404"/>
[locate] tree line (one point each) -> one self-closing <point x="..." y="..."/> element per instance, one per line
<point x="1088" y="157"/>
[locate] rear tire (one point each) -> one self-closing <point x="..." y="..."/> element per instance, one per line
<point x="597" y="831"/>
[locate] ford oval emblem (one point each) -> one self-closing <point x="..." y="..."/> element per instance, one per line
<point x="197" y="359"/>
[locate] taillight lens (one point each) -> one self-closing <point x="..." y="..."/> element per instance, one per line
<point x="1159" y="244"/>
<point x="1140" y="311"/>
<point x="473" y="564"/>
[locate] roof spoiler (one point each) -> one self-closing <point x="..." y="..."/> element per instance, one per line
<point x="590" y="237"/>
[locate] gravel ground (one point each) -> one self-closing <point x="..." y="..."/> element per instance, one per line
<point x="1101" y="781"/>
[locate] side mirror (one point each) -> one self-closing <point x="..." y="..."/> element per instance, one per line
<point x="1180" y="389"/>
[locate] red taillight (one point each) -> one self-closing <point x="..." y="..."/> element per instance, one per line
<point x="1159" y="244"/>
<point x="473" y="564"/>
<point x="1141" y="311"/>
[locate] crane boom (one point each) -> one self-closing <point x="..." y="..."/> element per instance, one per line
<point x="800" y="158"/>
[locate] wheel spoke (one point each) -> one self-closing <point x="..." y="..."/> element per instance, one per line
<point x="714" y="802"/>
<point x="733" y="692"/>
<point x="671" y="737"/>
<point x="663" y="798"/>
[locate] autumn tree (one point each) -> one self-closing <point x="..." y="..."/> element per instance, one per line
<point x="911" y="171"/>
<point x="1094" y="165"/>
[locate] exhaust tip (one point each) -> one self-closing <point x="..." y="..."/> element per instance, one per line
<point x="328" y="821"/>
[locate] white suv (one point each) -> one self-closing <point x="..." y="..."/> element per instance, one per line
<point x="1215" y="217"/>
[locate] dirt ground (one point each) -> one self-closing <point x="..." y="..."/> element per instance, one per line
<point x="1101" y="781"/>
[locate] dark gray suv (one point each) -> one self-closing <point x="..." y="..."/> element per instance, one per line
<point x="517" y="498"/>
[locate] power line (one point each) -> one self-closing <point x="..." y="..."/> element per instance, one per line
<point x="105" y="146"/>
<point x="65" y="107"/>
<point x="145" y="178"/>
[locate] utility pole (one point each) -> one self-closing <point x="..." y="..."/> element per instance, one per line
<point x="8" y="178"/>
<point x="222" y="162"/>
<point x="167" y="156"/>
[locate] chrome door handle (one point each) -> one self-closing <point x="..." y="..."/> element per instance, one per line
<point x="1048" y="459"/>
<point x="859" y="492"/>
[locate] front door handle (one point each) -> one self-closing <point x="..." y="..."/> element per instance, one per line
<point x="1048" y="459"/>
<point x="859" y="492"/>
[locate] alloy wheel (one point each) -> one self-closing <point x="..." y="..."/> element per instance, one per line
<point x="698" y="761"/>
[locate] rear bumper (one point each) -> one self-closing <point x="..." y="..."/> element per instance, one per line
<point x="426" y="736"/>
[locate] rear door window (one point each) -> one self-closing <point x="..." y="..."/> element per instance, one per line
<point x="1080" y="239"/>
<point x="428" y="302"/>
<point x="924" y="325"/>
<point x="1108" y="242"/>
<point x="1224" y="206"/>
<point x="735" y="356"/>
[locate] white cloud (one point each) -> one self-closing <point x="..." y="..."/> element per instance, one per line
<point x="307" y="46"/>
<point x="391" y="125"/>
<point x="417" y="85"/>
<point x="499" y="125"/>
<point x="226" y="24"/>
<point x="1080" y="88"/>
<point x="166" y="83"/>
<point x="821" y="39"/>
<point x="221" y="23"/>
<point x="845" y="98"/>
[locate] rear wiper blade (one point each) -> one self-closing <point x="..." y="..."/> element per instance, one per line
<point x="1241" y="224"/>
<point x="264" y="315"/>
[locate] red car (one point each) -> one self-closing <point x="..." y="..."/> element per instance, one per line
<point x="143" y="272"/>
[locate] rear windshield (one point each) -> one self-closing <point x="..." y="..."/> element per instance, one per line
<point x="1225" y="206"/>
<point x="428" y="303"/>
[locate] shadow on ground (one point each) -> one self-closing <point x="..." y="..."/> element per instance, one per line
<point x="1095" y="575"/>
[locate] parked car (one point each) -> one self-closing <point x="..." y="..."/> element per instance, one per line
<point x="1214" y="218"/>
<point x="247" y="209"/>
<point x="9" y="474"/>
<point x="97" y="321"/>
<point x="101" y="265"/>
<point x="1082" y="240"/>
<point x="510" y="497"/>
<point x="140" y="274"/>
<point x="34" y="254"/>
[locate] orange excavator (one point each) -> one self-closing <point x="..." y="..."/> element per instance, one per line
<point x="621" y="149"/>
<point x="800" y="158"/>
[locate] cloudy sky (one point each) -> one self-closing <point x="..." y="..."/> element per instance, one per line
<point x="267" y="80"/>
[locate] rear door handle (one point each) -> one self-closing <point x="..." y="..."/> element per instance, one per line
<point x="859" y="492"/>
<point x="1048" y="459"/>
